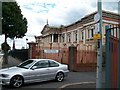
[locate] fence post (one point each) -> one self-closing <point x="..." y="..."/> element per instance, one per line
<point x="72" y="58"/>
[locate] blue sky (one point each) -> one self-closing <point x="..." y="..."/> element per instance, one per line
<point x="58" y="12"/>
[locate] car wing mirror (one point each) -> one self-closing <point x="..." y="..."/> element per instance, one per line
<point x="34" y="67"/>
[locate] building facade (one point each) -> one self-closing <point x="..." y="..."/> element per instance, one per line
<point x="55" y="41"/>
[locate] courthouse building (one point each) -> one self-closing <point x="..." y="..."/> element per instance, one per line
<point x="54" y="42"/>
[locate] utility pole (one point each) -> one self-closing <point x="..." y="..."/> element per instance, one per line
<point x="99" y="49"/>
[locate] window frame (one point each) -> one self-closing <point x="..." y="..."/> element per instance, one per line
<point x="41" y="66"/>
<point x="54" y="62"/>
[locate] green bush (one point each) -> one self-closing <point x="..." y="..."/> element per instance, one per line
<point x="5" y="46"/>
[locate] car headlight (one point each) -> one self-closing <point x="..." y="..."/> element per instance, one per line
<point x="4" y="75"/>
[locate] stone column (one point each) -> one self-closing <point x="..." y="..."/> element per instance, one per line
<point x="84" y="38"/>
<point x="72" y="37"/>
<point x="65" y="37"/>
<point x="52" y="38"/>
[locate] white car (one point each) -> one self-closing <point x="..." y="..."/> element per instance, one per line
<point x="33" y="70"/>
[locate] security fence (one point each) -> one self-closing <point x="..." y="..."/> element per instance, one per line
<point x="112" y="57"/>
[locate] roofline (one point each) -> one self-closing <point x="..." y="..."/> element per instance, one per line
<point x="80" y="20"/>
<point x="103" y="11"/>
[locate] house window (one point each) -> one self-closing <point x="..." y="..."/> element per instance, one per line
<point x="92" y="32"/>
<point x="69" y="37"/>
<point x="55" y="37"/>
<point x="76" y="36"/>
<point x="82" y="35"/>
<point x="88" y="34"/>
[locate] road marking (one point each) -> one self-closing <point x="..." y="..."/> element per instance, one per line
<point x="70" y="84"/>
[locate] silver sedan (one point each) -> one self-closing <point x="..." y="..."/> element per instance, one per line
<point x="33" y="70"/>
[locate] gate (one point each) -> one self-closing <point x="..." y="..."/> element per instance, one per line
<point x="112" y="57"/>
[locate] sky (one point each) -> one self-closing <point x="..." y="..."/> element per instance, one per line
<point x="57" y="12"/>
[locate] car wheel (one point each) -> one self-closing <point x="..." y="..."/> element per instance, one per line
<point x="60" y="77"/>
<point x="16" y="81"/>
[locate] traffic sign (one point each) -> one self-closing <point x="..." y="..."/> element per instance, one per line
<point x="97" y="30"/>
<point x="96" y="36"/>
<point x="97" y="17"/>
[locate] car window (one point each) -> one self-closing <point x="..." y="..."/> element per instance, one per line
<point x="53" y="64"/>
<point x="41" y="64"/>
<point x="26" y="64"/>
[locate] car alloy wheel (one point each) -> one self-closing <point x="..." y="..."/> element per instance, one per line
<point x="60" y="77"/>
<point x="16" y="81"/>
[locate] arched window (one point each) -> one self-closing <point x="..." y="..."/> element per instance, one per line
<point x="69" y="37"/>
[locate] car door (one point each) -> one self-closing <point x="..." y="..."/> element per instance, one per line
<point x="53" y="68"/>
<point x="40" y="71"/>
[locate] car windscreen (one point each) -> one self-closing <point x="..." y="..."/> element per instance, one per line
<point x="26" y="64"/>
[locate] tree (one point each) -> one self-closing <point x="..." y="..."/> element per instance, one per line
<point x="14" y="25"/>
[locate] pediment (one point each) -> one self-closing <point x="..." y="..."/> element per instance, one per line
<point x="45" y="29"/>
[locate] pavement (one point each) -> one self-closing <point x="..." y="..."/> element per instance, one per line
<point x="13" y="62"/>
<point x="82" y="85"/>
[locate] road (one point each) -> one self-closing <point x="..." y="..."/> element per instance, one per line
<point x="73" y="77"/>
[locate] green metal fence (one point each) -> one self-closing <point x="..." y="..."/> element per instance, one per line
<point x="112" y="57"/>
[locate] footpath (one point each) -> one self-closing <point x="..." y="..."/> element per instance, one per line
<point x="11" y="62"/>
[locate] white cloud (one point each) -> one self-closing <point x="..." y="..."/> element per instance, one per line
<point x="58" y="12"/>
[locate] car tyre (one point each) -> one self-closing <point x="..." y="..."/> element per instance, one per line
<point x="16" y="81"/>
<point x="59" y="77"/>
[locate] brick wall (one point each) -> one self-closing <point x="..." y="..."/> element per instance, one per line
<point x="86" y="59"/>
